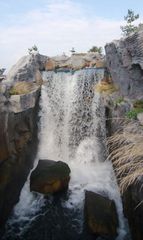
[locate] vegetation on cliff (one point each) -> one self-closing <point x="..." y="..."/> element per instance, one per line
<point x="129" y="27"/>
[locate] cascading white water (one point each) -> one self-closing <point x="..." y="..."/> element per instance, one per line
<point x="72" y="129"/>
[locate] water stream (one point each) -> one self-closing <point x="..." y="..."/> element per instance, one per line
<point x="71" y="129"/>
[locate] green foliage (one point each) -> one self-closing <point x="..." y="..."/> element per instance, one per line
<point x="129" y="27"/>
<point x="96" y="49"/>
<point x="33" y="50"/>
<point x="132" y="114"/>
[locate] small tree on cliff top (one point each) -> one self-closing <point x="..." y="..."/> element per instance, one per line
<point x="96" y="49"/>
<point x="129" y="27"/>
<point x="33" y="50"/>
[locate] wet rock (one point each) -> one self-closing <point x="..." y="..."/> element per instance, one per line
<point x="18" y="145"/>
<point x="133" y="208"/>
<point x="100" y="215"/>
<point x="50" y="177"/>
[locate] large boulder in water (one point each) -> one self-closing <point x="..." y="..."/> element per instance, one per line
<point x="100" y="215"/>
<point x="50" y="177"/>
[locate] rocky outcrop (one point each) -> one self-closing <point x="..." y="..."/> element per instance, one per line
<point x="125" y="63"/>
<point x="28" y="69"/>
<point x="75" y="62"/>
<point x="18" y="144"/>
<point x="50" y="177"/>
<point x="100" y="215"/>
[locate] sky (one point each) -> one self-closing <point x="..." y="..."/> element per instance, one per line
<point x="55" y="26"/>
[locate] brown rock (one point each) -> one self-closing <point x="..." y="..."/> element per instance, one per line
<point x="38" y="78"/>
<point x="50" y="177"/>
<point x="100" y="64"/>
<point x="50" y="65"/>
<point x="100" y="215"/>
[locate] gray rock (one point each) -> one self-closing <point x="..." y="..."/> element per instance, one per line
<point x="20" y="103"/>
<point x="125" y="63"/>
<point x="140" y="118"/>
<point x="76" y="61"/>
<point x="26" y="68"/>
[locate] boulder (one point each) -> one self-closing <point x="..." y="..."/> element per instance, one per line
<point x="50" y="65"/>
<point x="23" y="102"/>
<point x="26" y="68"/>
<point x="100" y="215"/>
<point x="50" y="177"/>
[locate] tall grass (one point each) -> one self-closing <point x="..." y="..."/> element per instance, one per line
<point x="126" y="153"/>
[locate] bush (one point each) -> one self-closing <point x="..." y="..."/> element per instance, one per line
<point x="132" y="114"/>
<point x="96" y="49"/>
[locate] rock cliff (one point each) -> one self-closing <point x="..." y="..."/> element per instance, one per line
<point x="18" y="128"/>
<point x="125" y="62"/>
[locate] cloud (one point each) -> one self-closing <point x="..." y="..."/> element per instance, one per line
<point x="55" y="28"/>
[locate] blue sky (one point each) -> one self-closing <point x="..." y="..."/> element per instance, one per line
<point x="57" y="25"/>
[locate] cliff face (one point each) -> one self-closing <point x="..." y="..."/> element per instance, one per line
<point x="125" y="63"/>
<point x="18" y="130"/>
<point x="18" y="144"/>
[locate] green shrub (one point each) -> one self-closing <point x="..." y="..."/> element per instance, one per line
<point x="132" y="114"/>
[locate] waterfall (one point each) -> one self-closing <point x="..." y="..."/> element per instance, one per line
<point x="71" y="129"/>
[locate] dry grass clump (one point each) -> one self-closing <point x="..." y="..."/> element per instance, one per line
<point x="126" y="153"/>
<point x="105" y="87"/>
<point x="22" y="88"/>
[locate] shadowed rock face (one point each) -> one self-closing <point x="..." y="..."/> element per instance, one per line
<point x="133" y="207"/>
<point x="125" y="62"/>
<point x="18" y="144"/>
<point x="100" y="215"/>
<point x="50" y="177"/>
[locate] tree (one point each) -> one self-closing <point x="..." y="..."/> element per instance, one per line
<point x="33" y="50"/>
<point x="96" y="49"/>
<point x="129" y="27"/>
